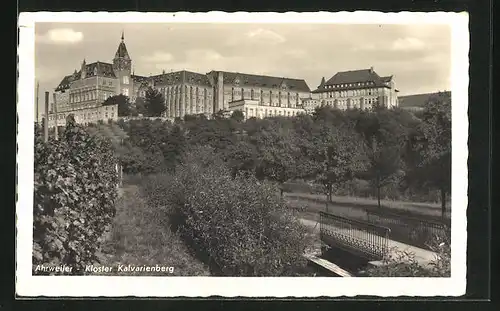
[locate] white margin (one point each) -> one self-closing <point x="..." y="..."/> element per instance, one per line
<point x="110" y="286"/>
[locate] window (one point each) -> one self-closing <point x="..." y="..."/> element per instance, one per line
<point x="125" y="79"/>
<point x="125" y="92"/>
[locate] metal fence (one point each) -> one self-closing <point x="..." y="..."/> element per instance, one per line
<point x="409" y="230"/>
<point x="358" y="237"/>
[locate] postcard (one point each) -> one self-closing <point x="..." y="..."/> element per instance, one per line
<point x="242" y="154"/>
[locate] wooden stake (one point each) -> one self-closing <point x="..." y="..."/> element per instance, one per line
<point x="46" y="121"/>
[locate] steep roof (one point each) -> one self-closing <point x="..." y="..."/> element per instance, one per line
<point x="418" y="100"/>
<point x="386" y="79"/>
<point x="245" y="79"/>
<point x="122" y="49"/>
<point x="182" y="76"/>
<point x="65" y="82"/>
<point x="350" y="80"/>
<point x="139" y="79"/>
<point x="100" y="69"/>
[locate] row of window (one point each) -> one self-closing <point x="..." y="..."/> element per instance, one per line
<point x="174" y="109"/>
<point x="363" y="92"/>
<point x="280" y="104"/>
<point x="334" y="86"/>
<point x="257" y="112"/>
<point x="84" y="116"/>
<point x="199" y="98"/>
<point x="65" y="107"/>
<point x="89" y="95"/>
<point x="367" y="102"/>
<point x="178" y="89"/>
<point x="251" y="94"/>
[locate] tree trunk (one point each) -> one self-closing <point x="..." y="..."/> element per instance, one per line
<point x="330" y="193"/>
<point x="378" y="191"/>
<point x="281" y="192"/>
<point x="443" y="203"/>
<point x="378" y="196"/>
<point x="327" y="198"/>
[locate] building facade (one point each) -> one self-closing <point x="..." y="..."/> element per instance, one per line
<point x="185" y="92"/>
<point x="189" y="92"/>
<point x="84" y="92"/>
<point x="254" y="109"/>
<point x="360" y="89"/>
<point x="266" y="90"/>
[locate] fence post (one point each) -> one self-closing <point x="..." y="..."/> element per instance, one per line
<point x="46" y="122"/>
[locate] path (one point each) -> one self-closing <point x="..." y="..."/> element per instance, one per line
<point x="353" y="207"/>
<point x="422" y="256"/>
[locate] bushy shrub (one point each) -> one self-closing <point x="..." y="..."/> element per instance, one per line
<point x="74" y="195"/>
<point x="404" y="264"/>
<point x="238" y="225"/>
<point x="355" y="187"/>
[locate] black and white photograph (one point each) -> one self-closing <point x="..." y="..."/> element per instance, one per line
<point x="242" y="154"/>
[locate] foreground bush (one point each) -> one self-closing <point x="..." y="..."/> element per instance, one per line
<point x="74" y="197"/>
<point x="238" y="226"/>
<point x="404" y="264"/>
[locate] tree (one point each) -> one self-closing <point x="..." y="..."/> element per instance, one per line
<point x="277" y="152"/>
<point x="242" y="157"/>
<point x="139" y="108"/>
<point x="124" y="106"/>
<point x="384" y="131"/>
<point x="238" y="116"/>
<point x="337" y="154"/>
<point x="385" y="163"/>
<point x="430" y="148"/>
<point x="155" y="103"/>
<point x="173" y="146"/>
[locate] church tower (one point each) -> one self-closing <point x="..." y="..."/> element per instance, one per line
<point x="122" y="66"/>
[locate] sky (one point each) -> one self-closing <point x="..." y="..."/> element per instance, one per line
<point x="418" y="56"/>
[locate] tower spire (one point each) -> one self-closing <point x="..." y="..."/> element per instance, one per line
<point x="123" y="36"/>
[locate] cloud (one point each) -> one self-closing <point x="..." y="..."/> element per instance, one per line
<point x="265" y="35"/>
<point x="208" y="55"/>
<point x="408" y="44"/>
<point x="364" y="47"/>
<point x="158" y="57"/>
<point x="296" y="53"/>
<point x="61" y="36"/>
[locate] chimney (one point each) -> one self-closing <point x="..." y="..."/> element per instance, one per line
<point x="371" y="69"/>
<point x="84" y="67"/>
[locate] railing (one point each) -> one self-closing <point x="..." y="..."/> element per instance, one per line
<point x="409" y="230"/>
<point x="358" y="237"/>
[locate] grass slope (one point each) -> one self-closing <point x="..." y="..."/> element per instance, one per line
<point x="141" y="236"/>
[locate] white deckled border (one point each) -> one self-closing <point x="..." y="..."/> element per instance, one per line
<point x="87" y="286"/>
